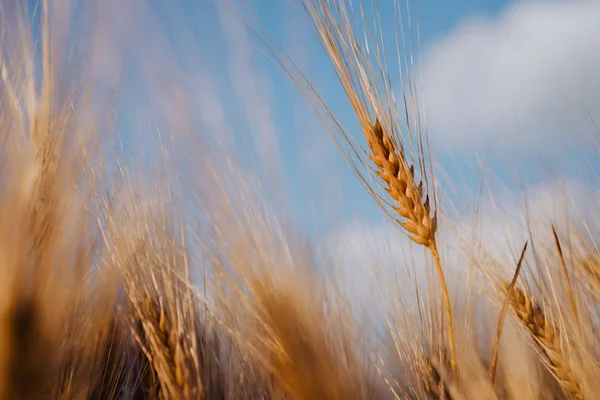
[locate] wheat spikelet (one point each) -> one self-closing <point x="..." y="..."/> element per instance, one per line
<point x="547" y="338"/>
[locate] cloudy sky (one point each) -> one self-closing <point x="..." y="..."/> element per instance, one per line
<point x="526" y="74"/>
<point x="511" y="93"/>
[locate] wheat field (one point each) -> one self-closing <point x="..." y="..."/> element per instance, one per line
<point x="113" y="287"/>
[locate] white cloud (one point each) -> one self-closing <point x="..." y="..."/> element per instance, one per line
<point x="526" y="79"/>
<point x="369" y="253"/>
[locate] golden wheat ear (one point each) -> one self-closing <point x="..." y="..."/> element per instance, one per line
<point x="411" y="202"/>
<point x="399" y="155"/>
<point x="547" y="337"/>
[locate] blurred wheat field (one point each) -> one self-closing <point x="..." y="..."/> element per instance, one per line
<point x="113" y="287"/>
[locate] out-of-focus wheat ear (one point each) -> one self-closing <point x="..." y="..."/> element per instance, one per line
<point x="28" y="367"/>
<point x="47" y="121"/>
<point x="304" y="364"/>
<point x="547" y="337"/>
<point x="312" y="355"/>
<point x="589" y="268"/>
<point x="432" y="380"/>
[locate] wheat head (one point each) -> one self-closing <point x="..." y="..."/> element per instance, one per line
<point x="547" y="337"/>
<point x="399" y="180"/>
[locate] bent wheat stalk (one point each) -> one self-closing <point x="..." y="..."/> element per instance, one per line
<point x="396" y="143"/>
<point x="411" y="204"/>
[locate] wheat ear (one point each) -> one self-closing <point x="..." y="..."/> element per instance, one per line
<point x="399" y="180"/>
<point x="547" y="337"/>
<point x="411" y="204"/>
<point x="305" y="364"/>
<point x="166" y="351"/>
<point x="432" y="379"/>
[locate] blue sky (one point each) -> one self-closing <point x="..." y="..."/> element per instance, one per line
<point x="509" y="84"/>
<point x="474" y="30"/>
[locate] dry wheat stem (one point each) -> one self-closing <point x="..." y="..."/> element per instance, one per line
<point x="448" y="308"/>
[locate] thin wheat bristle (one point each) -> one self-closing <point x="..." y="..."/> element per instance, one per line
<point x="533" y="318"/>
